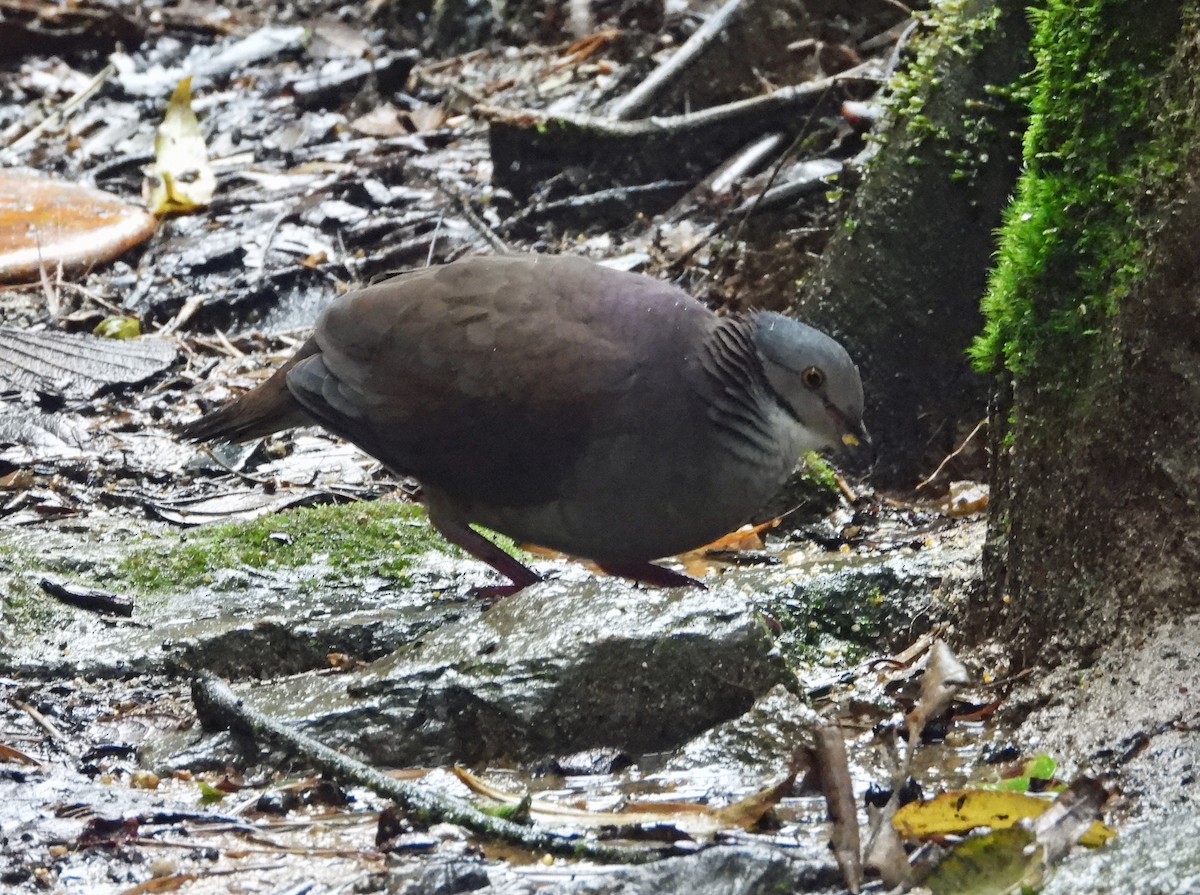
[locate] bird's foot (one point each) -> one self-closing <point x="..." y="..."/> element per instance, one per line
<point x="650" y="574"/>
<point x="462" y="535"/>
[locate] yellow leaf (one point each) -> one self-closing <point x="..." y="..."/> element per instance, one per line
<point x="963" y="810"/>
<point x="180" y="179"/>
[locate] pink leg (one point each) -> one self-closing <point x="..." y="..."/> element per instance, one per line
<point x="462" y="535"/>
<point x="649" y="573"/>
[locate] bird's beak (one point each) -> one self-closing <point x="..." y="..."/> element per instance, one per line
<point x="854" y="433"/>
<point x="856" y="444"/>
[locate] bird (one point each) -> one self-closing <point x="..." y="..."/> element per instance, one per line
<point x="601" y="413"/>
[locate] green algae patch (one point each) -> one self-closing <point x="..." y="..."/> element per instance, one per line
<point x="22" y="604"/>
<point x="341" y="542"/>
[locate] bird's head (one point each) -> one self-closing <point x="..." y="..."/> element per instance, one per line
<point x="814" y="380"/>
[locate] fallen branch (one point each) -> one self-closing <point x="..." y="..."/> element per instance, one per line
<point x="645" y="93"/>
<point x="220" y="708"/>
<point x="834" y="770"/>
<point x="758" y="109"/>
<point x="530" y="146"/>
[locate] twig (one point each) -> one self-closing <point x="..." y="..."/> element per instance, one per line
<point x="187" y="311"/>
<point x="618" y="195"/>
<point x="787" y="193"/>
<point x="844" y="487"/>
<point x="233" y="350"/>
<point x="958" y="450"/>
<point x="721" y="181"/>
<point x="437" y="229"/>
<point x="641" y="96"/>
<point x="743" y="163"/>
<point x="581" y="49"/>
<point x="478" y="224"/>
<point x="744" y="213"/>
<point x="94" y="297"/>
<point x="218" y="706"/>
<point x="834" y="770"/>
<point x="50" y="289"/>
<point x="266" y="249"/>
<point x="41" y="720"/>
<point x="61" y="112"/>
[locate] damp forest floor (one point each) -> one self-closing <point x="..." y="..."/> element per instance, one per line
<point x="351" y="141"/>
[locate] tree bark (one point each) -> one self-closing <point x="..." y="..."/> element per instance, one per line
<point x="1094" y="325"/>
<point x="900" y="285"/>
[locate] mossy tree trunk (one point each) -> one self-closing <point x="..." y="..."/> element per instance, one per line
<point x="1094" y="327"/>
<point x="902" y="282"/>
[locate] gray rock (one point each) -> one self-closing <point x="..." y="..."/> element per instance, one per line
<point x="723" y="870"/>
<point x="1161" y="858"/>
<point x="551" y="670"/>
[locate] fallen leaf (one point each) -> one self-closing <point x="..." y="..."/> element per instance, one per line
<point x="8" y="753"/>
<point x="78" y="365"/>
<point x="118" y="328"/>
<point x="944" y="676"/>
<point x="1014" y="858"/>
<point x="46" y="223"/>
<point x="180" y="180"/>
<point x="961" y="810"/>
<point x="998" y="863"/>
<point x="695" y="820"/>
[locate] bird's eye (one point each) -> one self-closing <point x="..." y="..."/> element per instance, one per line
<point x="813" y="378"/>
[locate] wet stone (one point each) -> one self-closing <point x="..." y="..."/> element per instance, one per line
<point x="1159" y="858"/>
<point x="744" y="869"/>
<point x="551" y="670"/>
<point x="753" y="749"/>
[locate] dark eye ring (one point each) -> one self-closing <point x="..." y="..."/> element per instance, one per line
<point x="813" y="378"/>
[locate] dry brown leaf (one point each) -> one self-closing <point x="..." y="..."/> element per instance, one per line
<point x="8" y="753"/>
<point x="695" y="820"/>
<point x="161" y="884"/>
<point x="46" y="223"/>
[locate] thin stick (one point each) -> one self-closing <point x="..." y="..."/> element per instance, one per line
<point x="641" y="96"/>
<point x="41" y="720"/>
<point x="217" y="705"/>
<point x="784" y="103"/>
<point x="61" y="112"/>
<point x="958" y="450"/>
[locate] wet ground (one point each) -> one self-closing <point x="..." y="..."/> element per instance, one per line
<point x="350" y="142"/>
<point x="115" y="782"/>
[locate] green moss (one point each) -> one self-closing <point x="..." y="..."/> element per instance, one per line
<point x="516" y="812"/>
<point x="1099" y="140"/>
<point x="817" y="471"/>
<point x="21" y="601"/>
<point x="344" y="540"/>
<point x="954" y="28"/>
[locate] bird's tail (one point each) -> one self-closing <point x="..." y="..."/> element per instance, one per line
<point x="262" y="411"/>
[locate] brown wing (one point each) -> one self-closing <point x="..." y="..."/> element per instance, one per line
<point x="487" y="377"/>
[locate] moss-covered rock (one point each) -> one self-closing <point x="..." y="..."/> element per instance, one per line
<point x="337" y="542"/>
